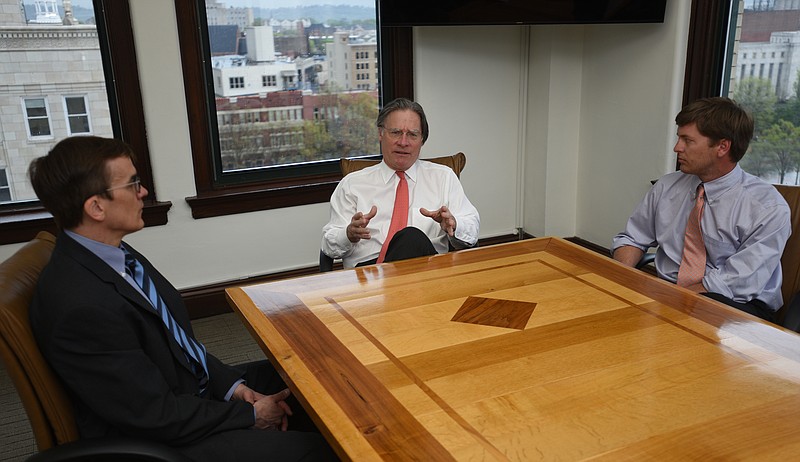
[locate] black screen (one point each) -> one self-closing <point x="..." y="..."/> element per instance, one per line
<point x="509" y="12"/>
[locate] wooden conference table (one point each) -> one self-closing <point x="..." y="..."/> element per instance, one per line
<point x="533" y="350"/>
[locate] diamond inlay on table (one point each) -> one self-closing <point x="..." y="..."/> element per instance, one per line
<point x="510" y="314"/>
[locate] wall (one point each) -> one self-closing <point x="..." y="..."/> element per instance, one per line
<point x="632" y="89"/>
<point x="563" y="127"/>
<point x="585" y="112"/>
<point x="467" y="79"/>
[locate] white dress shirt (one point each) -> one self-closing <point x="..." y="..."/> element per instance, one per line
<point x="430" y="186"/>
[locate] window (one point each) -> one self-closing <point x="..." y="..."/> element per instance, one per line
<point x="771" y="95"/>
<point x="48" y="109"/>
<point x="236" y="82"/>
<point x="5" y="190"/>
<point x="37" y="118"/>
<point x="293" y="80"/>
<point x="78" y="120"/>
<point x="225" y="182"/>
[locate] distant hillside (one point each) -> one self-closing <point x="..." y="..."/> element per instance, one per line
<point x="318" y="13"/>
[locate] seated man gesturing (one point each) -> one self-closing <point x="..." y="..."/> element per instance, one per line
<point x="402" y="207"/>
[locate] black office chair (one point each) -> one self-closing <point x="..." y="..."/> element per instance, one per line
<point x="646" y="259"/>
<point x="791" y="314"/>
<point x="325" y="262"/>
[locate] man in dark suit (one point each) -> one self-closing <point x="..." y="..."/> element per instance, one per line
<point x="126" y="352"/>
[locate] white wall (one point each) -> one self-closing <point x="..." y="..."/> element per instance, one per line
<point x="598" y="104"/>
<point x="632" y="90"/>
<point x="467" y="80"/>
<point x="563" y="126"/>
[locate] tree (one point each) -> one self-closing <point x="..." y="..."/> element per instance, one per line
<point x="757" y="161"/>
<point x="757" y="97"/>
<point x="790" y="109"/>
<point x="781" y="141"/>
<point x="355" y="129"/>
<point x="317" y="141"/>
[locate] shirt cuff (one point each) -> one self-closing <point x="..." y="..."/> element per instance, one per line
<point x="229" y="394"/>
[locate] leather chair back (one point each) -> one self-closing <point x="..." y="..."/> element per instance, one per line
<point x="456" y="162"/>
<point x="48" y="407"/>
<point x="790" y="261"/>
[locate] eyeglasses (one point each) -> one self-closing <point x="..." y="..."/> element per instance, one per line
<point x="136" y="183"/>
<point x="396" y="133"/>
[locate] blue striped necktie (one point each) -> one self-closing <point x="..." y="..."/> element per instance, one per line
<point x="195" y="351"/>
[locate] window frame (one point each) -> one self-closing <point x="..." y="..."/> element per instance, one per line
<point x="31" y="137"/>
<point x="68" y="115"/>
<point x="4" y="183"/>
<point x="213" y="199"/>
<point x="20" y="222"/>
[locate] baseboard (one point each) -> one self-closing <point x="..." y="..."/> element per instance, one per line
<point x="209" y="300"/>
<point x="589" y="245"/>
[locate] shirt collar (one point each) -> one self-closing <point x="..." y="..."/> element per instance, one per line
<point x="387" y="173"/>
<point x="113" y="256"/>
<point x="715" y="188"/>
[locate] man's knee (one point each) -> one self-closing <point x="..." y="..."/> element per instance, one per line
<point x="409" y="242"/>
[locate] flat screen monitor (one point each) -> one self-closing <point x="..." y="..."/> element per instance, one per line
<point x="394" y="13"/>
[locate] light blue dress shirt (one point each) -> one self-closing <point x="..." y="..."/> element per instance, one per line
<point x="745" y="224"/>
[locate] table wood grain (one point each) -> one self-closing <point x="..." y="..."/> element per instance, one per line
<point x="533" y="350"/>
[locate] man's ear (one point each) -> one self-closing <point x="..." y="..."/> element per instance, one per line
<point x="724" y="147"/>
<point x="94" y="209"/>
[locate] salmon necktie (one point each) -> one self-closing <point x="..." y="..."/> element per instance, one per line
<point x="399" y="214"/>
<point x="693" y="262"/>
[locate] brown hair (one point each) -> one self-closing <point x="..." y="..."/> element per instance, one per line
<point x="74" y="170"/>
<point x="720" y="118"/>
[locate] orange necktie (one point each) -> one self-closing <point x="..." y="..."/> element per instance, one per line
<point x="399" y="214"/>
<point x="693" y="262"/>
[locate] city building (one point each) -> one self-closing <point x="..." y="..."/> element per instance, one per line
<point x="258" y="72"/>
<point x="219" y="14"/>
<point x="353" y="61"/>
<point x="52" y="86"/>
<point x="768" y="47"/>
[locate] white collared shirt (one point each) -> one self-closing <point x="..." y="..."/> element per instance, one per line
<point x="430" y="186"/>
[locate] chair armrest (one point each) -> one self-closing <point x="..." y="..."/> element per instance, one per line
<point x="325" y="262"/>
<point x="116" y="448"/>
<point x="647" y="258"/>
<point x="791" y="319"/>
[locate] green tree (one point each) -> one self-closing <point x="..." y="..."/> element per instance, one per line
<point x="757" y="96"/>
<point x="781" y="141"/>
<point x="758" y="161"/>
<point x="317" y="141"/>
<point x="355" y="129"/>
<point x="790" y="109"/>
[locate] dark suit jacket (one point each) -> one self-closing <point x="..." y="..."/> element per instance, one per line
<point x="126" y="373"/>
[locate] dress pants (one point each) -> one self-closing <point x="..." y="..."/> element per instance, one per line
<point x="409" y="242"/>
<point x="754" y="307"/>
<point x="302" y="442"/>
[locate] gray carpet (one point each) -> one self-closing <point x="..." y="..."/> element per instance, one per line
<point x="224" y="336"/>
